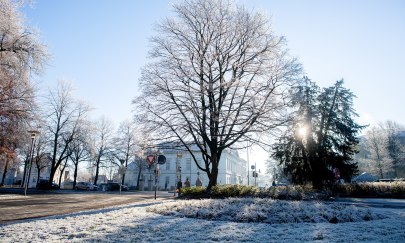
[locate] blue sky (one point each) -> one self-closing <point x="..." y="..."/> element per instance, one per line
<point x="101" y="45"/>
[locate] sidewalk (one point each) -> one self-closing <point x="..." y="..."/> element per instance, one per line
<point x="35" y="205"/>
<point x="373" y="202"/>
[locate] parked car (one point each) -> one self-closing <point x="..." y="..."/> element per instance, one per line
<point x="88" y="186"/>
<point x="113" y="186"/>
<point x="67" y="185"/>
<point x="43" y="184"/>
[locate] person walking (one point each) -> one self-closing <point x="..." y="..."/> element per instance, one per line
<point x="187" y="183"/>
<point x="179" y="186"/>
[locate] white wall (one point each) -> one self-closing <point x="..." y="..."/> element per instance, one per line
<point x="232" y="170"/>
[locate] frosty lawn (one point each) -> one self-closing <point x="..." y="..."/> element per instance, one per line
<point x="282" y="221"/>
<point x="266" y="211"/>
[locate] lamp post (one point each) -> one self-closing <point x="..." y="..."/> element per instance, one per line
<point x="247" y="156"/>
<point x="27" y="181"/>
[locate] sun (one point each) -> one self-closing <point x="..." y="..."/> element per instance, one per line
<point x="302" y="131"/>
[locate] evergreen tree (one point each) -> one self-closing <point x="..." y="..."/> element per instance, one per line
<point x="322" y="137"/>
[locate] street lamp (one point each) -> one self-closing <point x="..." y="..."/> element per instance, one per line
<point x="33" y="135"/>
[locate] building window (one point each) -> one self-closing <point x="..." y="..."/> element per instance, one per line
<point x="167" y="182"/>
<point x="188" y="164"/>
<point x="167" y="165"/>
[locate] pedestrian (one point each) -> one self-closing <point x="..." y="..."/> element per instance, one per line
<point x="187" y="183"/>
<point x="198" y="182"/>
<point x="179" y="186"/>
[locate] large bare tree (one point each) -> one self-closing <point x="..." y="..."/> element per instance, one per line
<point x="218" y="75"/>
<point x="21" y="56"/>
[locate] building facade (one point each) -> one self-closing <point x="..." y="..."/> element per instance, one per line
<point x="181" y="166"/>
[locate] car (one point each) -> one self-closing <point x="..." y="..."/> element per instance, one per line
<point x="43" y="184"/>
<point x="113" y="186"/>
<point x="67" y="185"/>
<point x="88" y="186"/>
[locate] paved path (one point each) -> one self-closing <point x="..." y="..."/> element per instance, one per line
<point x="374" y="202"/>
<point x="16" y="207"/>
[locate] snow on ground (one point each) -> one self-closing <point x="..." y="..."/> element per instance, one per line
<point x="266" y="211"/>
<point x="137" y="223"/>
<point x="12" y="196"/>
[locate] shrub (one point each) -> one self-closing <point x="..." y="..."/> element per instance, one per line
<point x="194" y="192"/>
<point x="220" y="191"/>
<point x="223" y="191"/>
<point x="394" y="189"/>
<point x="280" y="192"/>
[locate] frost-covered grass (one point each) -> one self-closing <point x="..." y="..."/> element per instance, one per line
<point x="266" y="211"/>
<point x="135" y="223"/>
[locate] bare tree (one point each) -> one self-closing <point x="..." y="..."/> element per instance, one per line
<point x="80" y="148"/>
<point x="394" y="146"/>
<point x="63" y="122"/>
<point x="102" y="144"/>
<point x="218" y="76"/>
<point x="125" y="145"/>
<point x="21" y="55"/>
<point x="41" y="156"/>
<point x="376" y="145"/>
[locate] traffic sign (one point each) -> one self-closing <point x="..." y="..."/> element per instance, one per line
<point x="150" y="159"/>
<point x="161" y="159"/>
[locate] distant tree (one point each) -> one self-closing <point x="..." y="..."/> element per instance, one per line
<point x="64" y="116"/>
<point x="125" y="145"/>
<point x="218" y="77"/>
<point x="322" y="137"/>
<point x="80" y="147"/>
<point x="394" y="146"/>
<point x="102" y="145"/>
<point x="378" y="156"/>
<point x="41" y="155"/>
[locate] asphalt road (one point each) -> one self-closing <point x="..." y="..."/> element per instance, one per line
<point x="17" y="207"/>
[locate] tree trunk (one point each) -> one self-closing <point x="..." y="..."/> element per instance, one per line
<point x="75" y="174"/>
<point x="139" y="178"/>
<point x="97" y="170"/>
<point x="51" y="175"/>
<point x="123" y="179"/>
<point x="4" y="173"/>
<point x="38" y="172"/>
<point x="61" y="174"/>
<point x="213" y="176"/>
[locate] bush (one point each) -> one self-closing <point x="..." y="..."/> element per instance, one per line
<point x="279" y="192"/>
<point x="220" y="191"/>
<point x="223" y="191"/>
<point x="194" y="192"/>
<point x="300" y="192"/>
<point x="394" y="189"/>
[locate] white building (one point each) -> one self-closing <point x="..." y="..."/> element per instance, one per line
<point x="232" y="169"/>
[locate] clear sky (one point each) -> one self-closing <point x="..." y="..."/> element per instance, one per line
<point x="101" y="45"/>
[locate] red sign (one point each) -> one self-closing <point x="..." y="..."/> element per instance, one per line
<point x="150" y="159"/>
